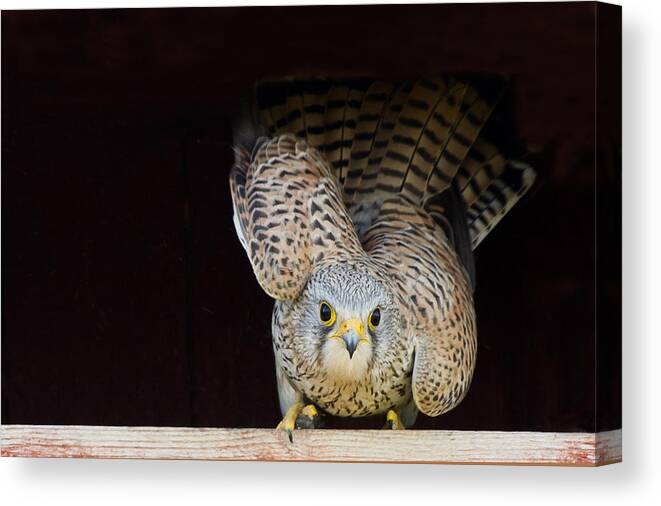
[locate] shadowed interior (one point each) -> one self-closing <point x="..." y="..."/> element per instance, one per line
<point x="128" y="300"/>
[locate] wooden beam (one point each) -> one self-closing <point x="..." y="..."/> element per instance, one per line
<point x="414" y="446"/>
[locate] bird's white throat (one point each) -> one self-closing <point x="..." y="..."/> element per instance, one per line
<point x="339" y="366"/>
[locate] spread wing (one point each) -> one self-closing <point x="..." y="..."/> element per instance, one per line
<point x="436" y="290"/>
<point x="289" y="214"/>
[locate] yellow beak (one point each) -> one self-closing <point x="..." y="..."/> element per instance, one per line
<point x="354" y="324"/>
<point x="352" y="333"/>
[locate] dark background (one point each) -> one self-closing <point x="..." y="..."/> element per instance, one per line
<point x="126" y="297"/>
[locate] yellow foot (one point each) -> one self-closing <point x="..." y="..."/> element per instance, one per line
<point x="298" y="416"/>
<point x="393" y="422"/>
<point x="307" y="417"/>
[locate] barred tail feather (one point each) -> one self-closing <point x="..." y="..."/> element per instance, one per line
<point x="369" y="119"/>
<point x="383" y="134"/>
<point x="314" y="111"/>
<point x="295" y="117"/>
<point x="351" y="112"/>
<point x="483" y="163"/>
<point x="336" y="108"/>
<point x="419" y="140"/>
<point x="432" y="141"/>
<point x="473" y="115"/>
<point x="406" y="136"/>
<point x="492" y="204"/>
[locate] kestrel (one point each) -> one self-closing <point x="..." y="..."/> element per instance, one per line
<point x="359" y="209"/>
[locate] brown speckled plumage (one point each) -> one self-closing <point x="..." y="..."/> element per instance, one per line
<point x="345" y="203"/>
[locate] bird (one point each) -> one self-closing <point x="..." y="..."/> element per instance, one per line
<point x="359" y="205"/>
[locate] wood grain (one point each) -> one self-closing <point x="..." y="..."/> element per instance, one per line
<point x="414" y="446"/>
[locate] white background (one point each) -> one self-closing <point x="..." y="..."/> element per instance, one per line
<point x="636" y="481"/>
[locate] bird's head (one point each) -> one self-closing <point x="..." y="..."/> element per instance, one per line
<point x="348" y="315"/>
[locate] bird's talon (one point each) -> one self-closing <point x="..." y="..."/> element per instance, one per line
<point x="286" y="428"/>
<point x="288" y="423"/>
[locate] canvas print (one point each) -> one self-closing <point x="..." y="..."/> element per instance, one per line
<point x="239" y="233"/>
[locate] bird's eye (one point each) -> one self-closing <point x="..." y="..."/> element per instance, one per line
<point x="326" y="314"/>
<point x="374" y="319"/>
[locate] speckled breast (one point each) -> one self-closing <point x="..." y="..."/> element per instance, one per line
<point x="378" y="392"/>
